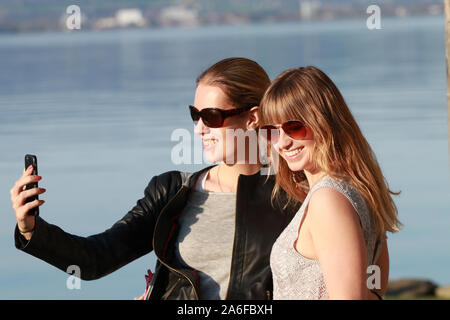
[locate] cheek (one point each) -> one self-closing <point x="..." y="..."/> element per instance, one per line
<point x="309" y="148"/>
<point x="309" y="134"/>
<point x="220" y="135"/>
<point x="310" y="156"/>
<point x="223" y="135"/>
<point x="217" y="133"/>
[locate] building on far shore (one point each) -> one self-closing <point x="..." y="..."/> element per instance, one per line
<point x="178" y="16"/>
<point x="124" y="18"/>
<point x="308" y="9"/>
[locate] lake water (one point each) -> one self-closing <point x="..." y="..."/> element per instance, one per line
<point x="98" y="109"/>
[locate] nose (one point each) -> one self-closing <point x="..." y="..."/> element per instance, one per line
<point x="284" y="141"/>
<point x="200" y="127"/>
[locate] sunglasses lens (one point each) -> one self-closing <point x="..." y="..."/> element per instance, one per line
<point x="295" y="129"/>
<point x="270" y="133"/>
<point x="195" y="115"/>
<point x="212" y="118"/>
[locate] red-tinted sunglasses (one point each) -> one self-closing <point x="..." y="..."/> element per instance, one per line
<point x="214" y="117"/>
<point x="294" y="129"/>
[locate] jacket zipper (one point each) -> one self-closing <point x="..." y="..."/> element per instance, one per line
<point x="168" y="293"/>
<point x="183" y="275"/>
<point x="165" y="264"/>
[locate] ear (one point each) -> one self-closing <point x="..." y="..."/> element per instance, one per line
<point x="253" y="118"/>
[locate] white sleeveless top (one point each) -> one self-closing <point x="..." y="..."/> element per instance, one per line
<point x="297" y="277"/>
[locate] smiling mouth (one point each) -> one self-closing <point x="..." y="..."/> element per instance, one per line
<point x="209" y="142"/>
<point x="293" y="153"/>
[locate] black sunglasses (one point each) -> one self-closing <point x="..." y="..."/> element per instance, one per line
<point x="214" y="117"/>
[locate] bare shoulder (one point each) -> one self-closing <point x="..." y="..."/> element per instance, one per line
<point x="335" y="229"/>
<point x="326" y="199"/>
<point x="328" y="206"/>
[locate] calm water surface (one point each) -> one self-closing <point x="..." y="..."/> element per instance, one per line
<point x="98" y="108"/>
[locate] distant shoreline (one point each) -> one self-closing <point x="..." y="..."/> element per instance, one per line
<point x="62" y="29"/>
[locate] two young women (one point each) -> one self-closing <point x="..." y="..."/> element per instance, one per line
<point x="212" y="231"/>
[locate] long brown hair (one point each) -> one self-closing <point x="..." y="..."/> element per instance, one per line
<point x="341" y="151"/>
<point x="243" y="80"/>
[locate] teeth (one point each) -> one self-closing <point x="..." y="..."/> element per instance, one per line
<point x="209" y="142"/>
<point x="292" y="153"/>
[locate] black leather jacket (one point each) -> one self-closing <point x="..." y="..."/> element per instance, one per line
<point x="152" y="225"/>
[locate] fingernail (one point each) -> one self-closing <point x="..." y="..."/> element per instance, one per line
<point x="30" y="167"/>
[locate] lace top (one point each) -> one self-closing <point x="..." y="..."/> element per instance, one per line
<point x="297" y="277"/>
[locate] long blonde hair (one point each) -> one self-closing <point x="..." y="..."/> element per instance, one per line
<point x="341" y="151"/>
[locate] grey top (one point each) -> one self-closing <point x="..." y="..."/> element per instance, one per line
<point x="297" y="277"/>
<point x="205" y="239"/>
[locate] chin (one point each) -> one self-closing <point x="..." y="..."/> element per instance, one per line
<point x="211" y="157"/>
<point x="295" y="165"/>
<point x="215" y="156"/>
<point x="295" y="168"/>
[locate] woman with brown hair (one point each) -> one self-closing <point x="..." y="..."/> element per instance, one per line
<point x="211" y="231"/>
<point x="347" y="208"/>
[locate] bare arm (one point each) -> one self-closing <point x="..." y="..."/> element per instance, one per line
<point x="338" y="244"/>
<point x="99" y="254"/>
<point x="383" y="263"/>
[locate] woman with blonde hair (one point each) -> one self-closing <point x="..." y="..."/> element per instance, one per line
<point x="211" y="231"/>
<point x="326" y="163"/>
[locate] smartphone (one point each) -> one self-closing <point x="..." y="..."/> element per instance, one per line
<point x="31" y="159"/>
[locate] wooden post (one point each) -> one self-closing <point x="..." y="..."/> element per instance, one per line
<point x="447" y="54"/>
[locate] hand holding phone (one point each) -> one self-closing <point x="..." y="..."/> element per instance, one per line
<point x="24" y="189"/>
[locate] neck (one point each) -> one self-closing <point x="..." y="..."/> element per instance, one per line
<point x="228" y="174"/>
<point x="237" y="169"/>
<point x="313" y="176"/>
